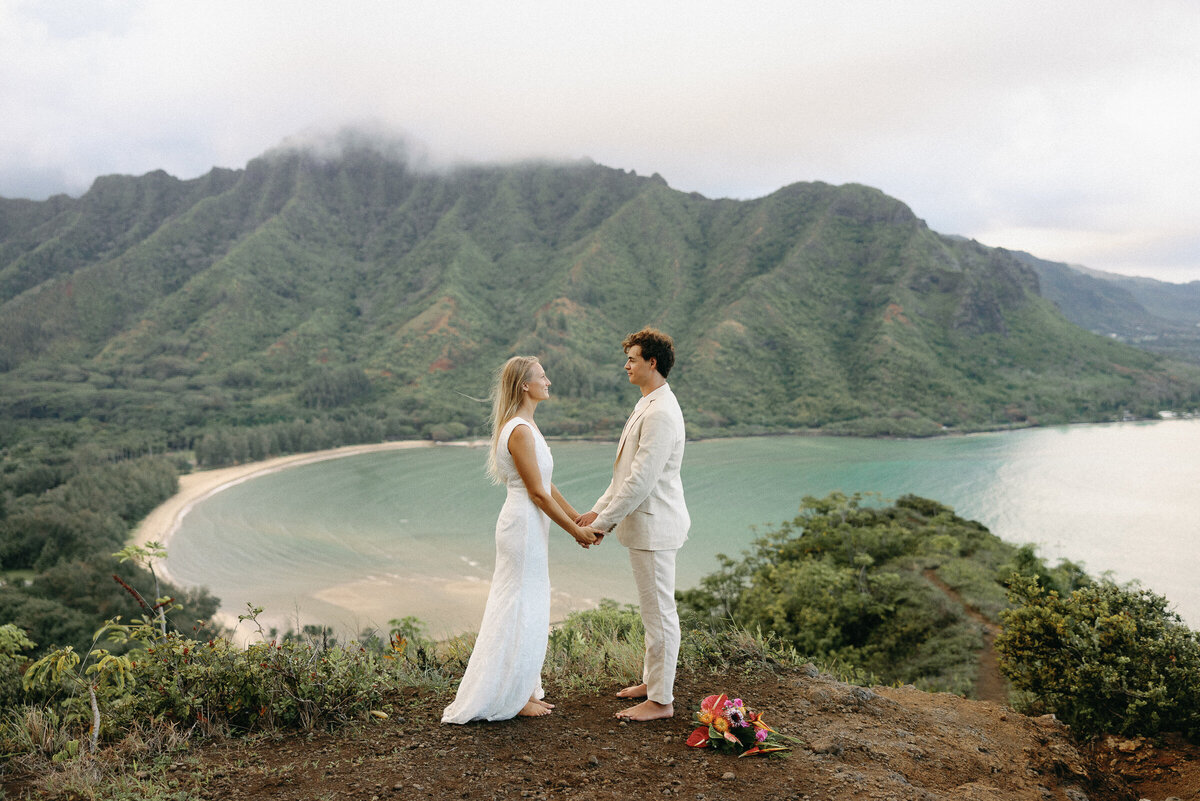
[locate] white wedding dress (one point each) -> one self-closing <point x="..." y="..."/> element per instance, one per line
<point x="505" y="668"/>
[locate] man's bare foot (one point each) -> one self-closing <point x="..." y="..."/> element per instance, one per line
<point x="533" y="709"/>
<point x="647" y="710"/>
<point x="636" y="691"/>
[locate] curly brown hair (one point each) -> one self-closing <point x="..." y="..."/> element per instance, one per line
<point x="655" y="345"/>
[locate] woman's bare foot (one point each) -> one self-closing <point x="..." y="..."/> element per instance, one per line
<point x="647" y="710"/>
<point x="636" y="691"/>
<point x="546" y="704"/>
<point x="533" y="709"/>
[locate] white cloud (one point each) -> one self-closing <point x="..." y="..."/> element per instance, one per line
<point x="1067" y="129"/>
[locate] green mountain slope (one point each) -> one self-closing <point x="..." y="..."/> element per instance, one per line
<point x="1156" y="316"/>
<point x="236" y="297"/>
<point x="1177" y="303"/>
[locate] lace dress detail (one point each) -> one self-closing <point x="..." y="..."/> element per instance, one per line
<point x="505" y="668"/>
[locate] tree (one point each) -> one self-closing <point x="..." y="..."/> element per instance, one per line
<point x="1105" y="658"/>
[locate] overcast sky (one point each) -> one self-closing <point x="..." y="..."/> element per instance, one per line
<point x="1067" y="129"/>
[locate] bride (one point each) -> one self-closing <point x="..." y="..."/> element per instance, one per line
<point x="504" y="675"/>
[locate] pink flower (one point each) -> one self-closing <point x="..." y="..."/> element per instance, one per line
<point x="760" y="735"/>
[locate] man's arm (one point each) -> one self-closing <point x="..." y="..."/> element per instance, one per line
<point x="654" y="448"/>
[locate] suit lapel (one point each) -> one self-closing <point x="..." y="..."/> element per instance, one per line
<point x="633" y="418"/>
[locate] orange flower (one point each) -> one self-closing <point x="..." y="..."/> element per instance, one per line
<point x="761" y="749"/>
<point x="721" y="725"/>
<point x="710" y="709"/>
<point x="760" y="724"/>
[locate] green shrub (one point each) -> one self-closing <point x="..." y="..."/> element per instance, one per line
<point x="845" y="583"/>
<point x="171" y="679"/>
<point x="12" y="642"/>
<point x="286" y="684"/>
<point x="602" y="646"/>
<point x="596" y="646"/>
<point x="1106" y="658"/>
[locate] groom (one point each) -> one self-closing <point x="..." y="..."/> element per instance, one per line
<point x="644" y="503"/>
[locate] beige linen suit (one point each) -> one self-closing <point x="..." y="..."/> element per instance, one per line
<point x="645" y="503"/>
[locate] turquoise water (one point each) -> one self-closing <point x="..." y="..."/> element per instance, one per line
<point x="357" y="541"/>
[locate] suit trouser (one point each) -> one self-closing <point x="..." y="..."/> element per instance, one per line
<point x="654" y="574"/>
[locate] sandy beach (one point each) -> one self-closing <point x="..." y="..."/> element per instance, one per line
<point x="164" y="520"/>
<point x="162" y="523"/>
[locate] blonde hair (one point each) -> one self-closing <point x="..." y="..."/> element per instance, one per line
<point x="506" y="399"/>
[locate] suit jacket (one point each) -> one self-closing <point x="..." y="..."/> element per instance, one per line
<point x="645" y="498"/>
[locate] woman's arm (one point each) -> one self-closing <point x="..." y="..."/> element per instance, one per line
<point x="562" y="502"/>
<point x="520" y="445"/>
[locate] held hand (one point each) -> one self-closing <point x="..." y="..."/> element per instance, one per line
<point x="585" y="519"/>
<point x="585" y="537"/>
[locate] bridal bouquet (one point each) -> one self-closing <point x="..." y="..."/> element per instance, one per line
<point x="728" y="725"/>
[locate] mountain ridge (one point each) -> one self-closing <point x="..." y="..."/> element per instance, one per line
<point x="837" y="305"/>
<point x="1154" y="315"/>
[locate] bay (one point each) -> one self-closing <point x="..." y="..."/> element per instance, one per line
<point x="359" y="541"/>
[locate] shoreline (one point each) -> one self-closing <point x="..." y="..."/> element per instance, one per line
<point x="165" y="519"/>
<point x="161" y="524"/>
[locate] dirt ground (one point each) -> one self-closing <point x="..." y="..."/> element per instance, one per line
<point x="880" y="743"/>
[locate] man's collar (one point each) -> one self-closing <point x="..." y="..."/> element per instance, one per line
<point x="646" y="399"/>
